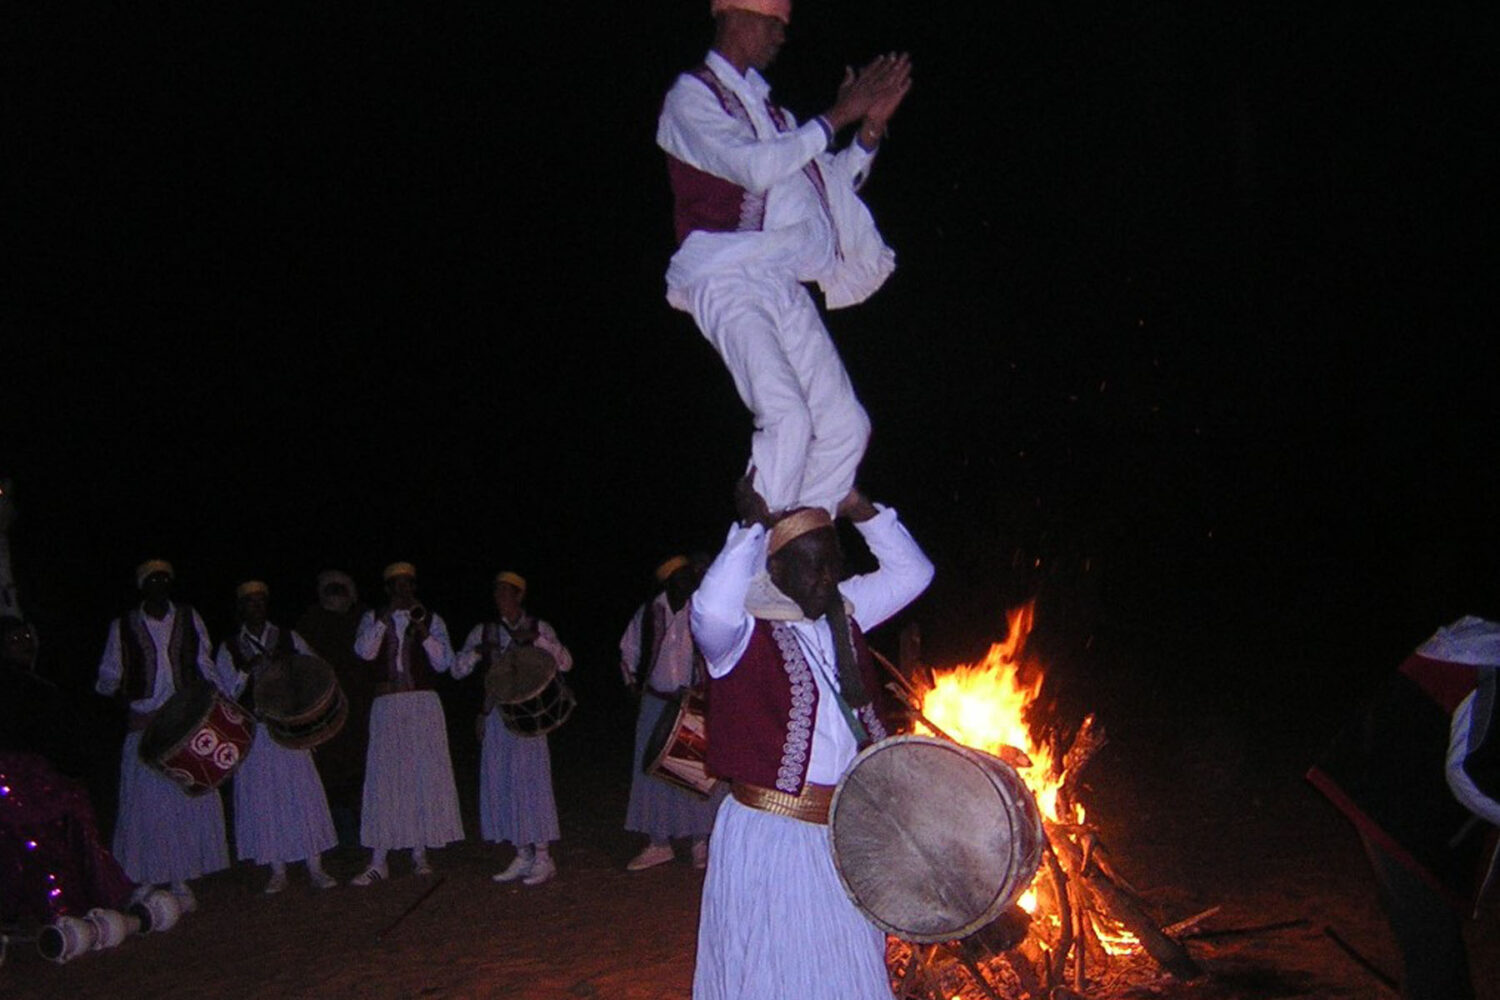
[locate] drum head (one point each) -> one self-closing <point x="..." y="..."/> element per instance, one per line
<point x="540" y="715"/>
<point x="932" y="840"/>
<point x="295" y="688"/>
<point x="176" y="719"/>
<point x="521" y="672"/>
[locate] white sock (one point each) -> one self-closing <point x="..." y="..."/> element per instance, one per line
<point x="418" y="856"/>
<point x="315" y="864"/>
<point x="377" y="858"/>
<point x="542" y="850"/>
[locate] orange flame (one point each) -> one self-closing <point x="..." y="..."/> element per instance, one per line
<point x="986" y="706"/>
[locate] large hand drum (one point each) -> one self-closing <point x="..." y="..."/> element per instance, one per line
<point x="933" y="840"/>
<point x="197" y="738"/>
<point x="300" y="701"/>
<point x="677" y="751"/>
<point x="525" y="685"/>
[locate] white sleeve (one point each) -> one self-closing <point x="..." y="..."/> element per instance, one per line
<point x="111" y="667"/>
<point x="1459" y="782"/>
<point x="721" y="626"/>
<point x="546" y="639"/>
<point x="369" y="636"/>
<point x="630" y="644"/>
<point x="468" y="658"/>
<point x="695" y="129"/>
<point x="905" y="571"/>
<point x="439" y="648"/>
<point x="229" y="680"/>
<point x="301" y="646"/>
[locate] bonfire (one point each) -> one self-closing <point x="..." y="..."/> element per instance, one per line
<point x="1078" y="920"/>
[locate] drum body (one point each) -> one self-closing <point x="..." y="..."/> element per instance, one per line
<point x="677" y="751"/>
<point x="198" y="738"/>
<point x="526" y="687"/>
<point x="933" y="840"/>
<point x="300" y="701"/>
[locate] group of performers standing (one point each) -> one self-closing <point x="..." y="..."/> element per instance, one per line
<point x="409" y="799"/>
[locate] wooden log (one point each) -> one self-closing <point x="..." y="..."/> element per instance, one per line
<point x="1123" y="906"/>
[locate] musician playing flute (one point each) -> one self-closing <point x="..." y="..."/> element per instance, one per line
<point x="792" y="697"/>
<point x="162" y="834"/>
<point x="410" y="800"/>
<point x="517" y="804"/>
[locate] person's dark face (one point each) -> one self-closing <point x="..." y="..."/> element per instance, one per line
<point x="156" y="589"/>
<point x="765" y="35"/>
<point x="807" y="569"/>
<point x="402" y="590"/>
<point x="680" y="586"/>
<point x="253" y="609"/>
<point x="335" y="597"/>
<point x="18" y="646"/>
<point x="508" y="601"/>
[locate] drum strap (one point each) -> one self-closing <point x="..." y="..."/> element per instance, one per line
<point x="850" y="680"/>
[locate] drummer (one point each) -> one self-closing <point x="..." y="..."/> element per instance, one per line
<point x="410" y="799"/>
<point x="792" y="697"/>
<point x="280" y="811"/>
<point x="516" y="802"/>
<point x="658" y="659"/>
<point x="162" y="834"/>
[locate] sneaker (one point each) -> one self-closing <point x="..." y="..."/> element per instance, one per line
<point x="277" y="883"/>
<point x="322" y="880"/>
<point x="700" y="854"/>
<point x="653" y="855"/>
<point x="139" y="894"/>
<point x="542" y="870"/>
<point x="519" y="868"/>
<point x="424" y="867"/>
<point x="186" y="901"/>
<point x="370" y="876"/>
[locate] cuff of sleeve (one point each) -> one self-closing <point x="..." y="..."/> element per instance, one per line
<point x="828" y="133"/>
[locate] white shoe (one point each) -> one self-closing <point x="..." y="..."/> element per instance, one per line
<point x="422" y="868"/>
<point x="322" y="880"/>
<point x="653" y="855"/>
<point x="186" y="901"/>
<point x="542" y="870"/>
<point x="520" y="867"/>
<point x="277" y="883"/>
<point x="700" y="854"/>
<point x="140" y="893"/>
<point x="370" y="876"/>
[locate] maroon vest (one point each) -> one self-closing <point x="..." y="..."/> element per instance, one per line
<point x="138" y="652"/>
<point x="704" y="202"/>
<point x="418" y="673"/>
<point x="761" y="714"/>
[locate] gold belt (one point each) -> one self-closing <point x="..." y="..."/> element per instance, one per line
<point x="810" y="807"/>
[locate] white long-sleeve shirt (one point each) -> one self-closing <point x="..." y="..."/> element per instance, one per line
<point x="112" y="666"/>
<point x="236" y="679"/>
<point x="798" y="236"/>
<point x="372" y="629"/>
<point x="722" y="625"/>
<point x="546" y="640"/>
<point x="672" y="666"/>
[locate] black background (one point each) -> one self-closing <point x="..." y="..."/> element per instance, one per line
<point x="1189" y="335"/>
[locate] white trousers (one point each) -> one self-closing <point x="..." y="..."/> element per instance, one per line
<point x="810" y="430"/>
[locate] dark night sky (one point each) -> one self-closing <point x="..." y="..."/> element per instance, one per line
<point x="1193" y="305"/>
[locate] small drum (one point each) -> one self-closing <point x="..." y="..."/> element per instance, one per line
<point x="677" y="751"/>
<point x="300" y="701"/>
<point x="198" y="738"/>
<point x="525" y="685"/>
<point x="933" y="840"/>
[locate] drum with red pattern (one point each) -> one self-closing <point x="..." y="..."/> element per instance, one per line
<point x="198" y="738"/>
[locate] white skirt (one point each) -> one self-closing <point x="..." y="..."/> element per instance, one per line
<point x="280" y="811"/>
<point x="658" y="808"/>
<point x="163" y="834"/>
<point x="516" y="804"/>
<point x="775" y="922"/>
<point x="410" y="799"/>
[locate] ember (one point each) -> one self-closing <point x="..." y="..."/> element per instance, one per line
<point x="1078" y="916"/>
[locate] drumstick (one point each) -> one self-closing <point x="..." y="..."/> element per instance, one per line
<point x="412" y="908"/>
